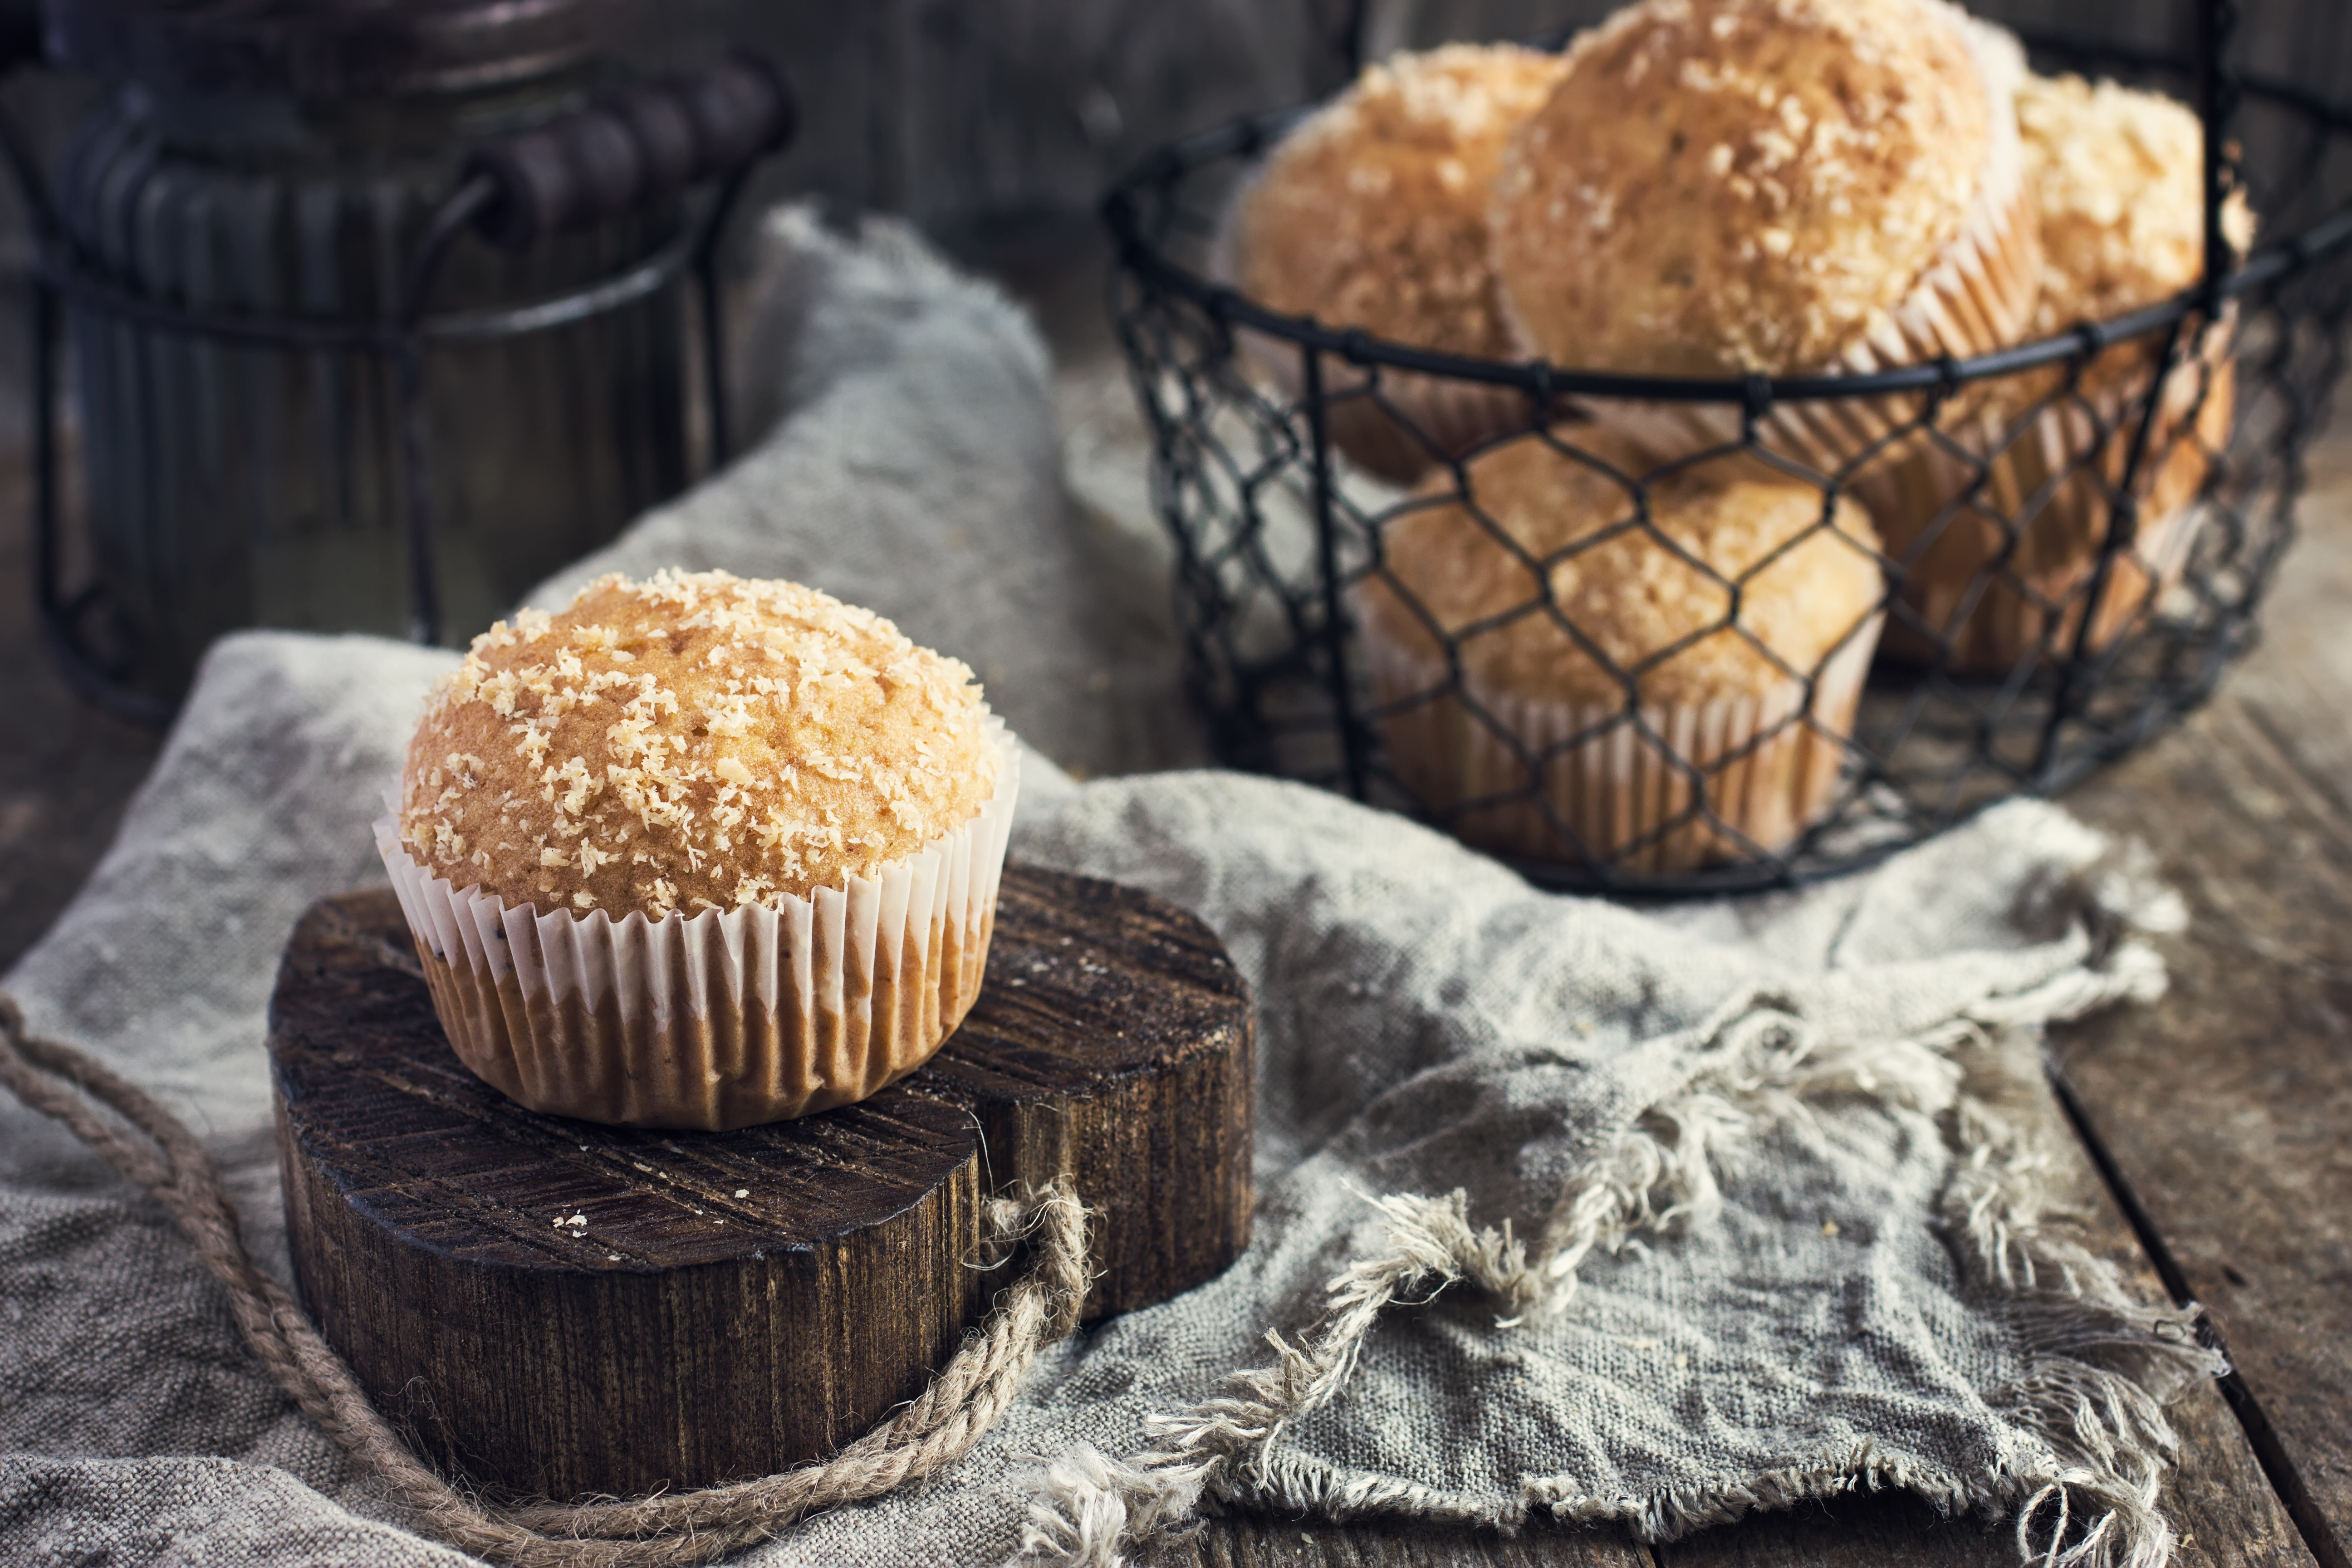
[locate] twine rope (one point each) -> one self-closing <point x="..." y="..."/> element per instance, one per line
<point x="157" y="1152"/>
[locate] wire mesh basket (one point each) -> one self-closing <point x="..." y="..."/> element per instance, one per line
<point x="2087" y="524"/>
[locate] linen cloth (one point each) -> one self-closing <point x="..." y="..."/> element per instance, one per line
<point x="1773" y="1236"/>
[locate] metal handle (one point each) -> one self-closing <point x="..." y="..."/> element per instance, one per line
<point x="650" y="142"/>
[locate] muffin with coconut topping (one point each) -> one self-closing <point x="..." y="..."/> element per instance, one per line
<point x="2119" y="174"/>
<point x="1374" y="214"/>
<point x="702" y="851"/>
<point x="1576" y="656"/>
<point x="691" y="742"/>
<point x="1784" y="187"/>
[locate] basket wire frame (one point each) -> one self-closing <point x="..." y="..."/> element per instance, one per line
<point x="2104" y="510"/>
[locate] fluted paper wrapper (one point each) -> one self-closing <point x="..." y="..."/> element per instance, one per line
<point x="1769" y="769"/>
<point x="1995" y="603"/>
<point x="726" y="1019"/>
<point x="1977" y="297"/>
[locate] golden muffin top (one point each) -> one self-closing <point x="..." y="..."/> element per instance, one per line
<point x="1726" y="186"/>
<point x="2120" y="177"/>
<point x="697" y="741"/>
<point x="1806" y="574"/>
<point x="1373" y="212"/>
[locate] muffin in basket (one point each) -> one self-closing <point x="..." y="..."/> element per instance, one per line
<point x="1575" y="657"/>
<point x="700" y="852"/>
<point x="1374" y="214"/>
<point x="2003" y="569"/>
<point x="1770" y="186"/>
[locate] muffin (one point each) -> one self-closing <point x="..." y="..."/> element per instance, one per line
<point x="1783" y="187"/>
<point x="1650" y="673"/>
<point x="1372" y="215"/>
<point x="700" y="851"/>
<point x="2118" y="175"/>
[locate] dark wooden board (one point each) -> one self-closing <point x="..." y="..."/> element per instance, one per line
<point x="1242" y="1542"/>
<point x="728" y="1304"/>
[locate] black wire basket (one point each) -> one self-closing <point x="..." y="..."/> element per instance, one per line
<point x="1987" y="663"/>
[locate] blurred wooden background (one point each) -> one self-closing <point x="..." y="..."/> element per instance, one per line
<point x="995" y="124"/>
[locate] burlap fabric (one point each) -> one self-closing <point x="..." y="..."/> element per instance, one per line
<point x="1769" y="1235"/>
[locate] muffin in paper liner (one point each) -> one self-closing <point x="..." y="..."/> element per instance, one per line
<point x="1969" y="304"/>
<point x="728" y="1019"/>
<point x="1648" y="789"/>
<point x="1975" y="296"/>
<point x="1395" y="424"/>
<point x="1414" y="138"/>
<point x="1573" y="658"/>
<point x="1992" y="597"/>
<point x="2118" y="175"/>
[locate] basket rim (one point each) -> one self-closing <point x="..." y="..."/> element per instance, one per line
<point x="1543" y="381"/>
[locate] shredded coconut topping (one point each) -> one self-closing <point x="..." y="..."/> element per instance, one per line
<point x="1740" y="186"/>
<point x="1374" y="214"/>
<point x="2120" y="175"/>
<point x="1649" y="587"/>
<point x="694" y="741"/>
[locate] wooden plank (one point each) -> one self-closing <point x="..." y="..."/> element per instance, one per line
<point x="2228" y="1109"/>
<point x="1887" y="1528"/>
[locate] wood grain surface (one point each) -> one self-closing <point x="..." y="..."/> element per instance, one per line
<point x="2227" y="1108"/>
<point x="555" y="1307"/>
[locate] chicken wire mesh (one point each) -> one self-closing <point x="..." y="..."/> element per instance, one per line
<point x="1508" y="599"/>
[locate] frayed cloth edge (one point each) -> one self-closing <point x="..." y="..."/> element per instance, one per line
<point x="1088" y="1509"/>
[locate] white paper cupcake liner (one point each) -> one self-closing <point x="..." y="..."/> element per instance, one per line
<point x="1765" y="768"/>
<point x="726" y="1019"/>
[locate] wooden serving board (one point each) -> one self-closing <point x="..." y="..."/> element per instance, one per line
<point x="557" y="1308"/>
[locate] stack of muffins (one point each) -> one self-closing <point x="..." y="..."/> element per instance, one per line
<point x="1639" y="638"/>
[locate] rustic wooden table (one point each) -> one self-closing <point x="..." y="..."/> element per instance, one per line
<point x="2210" y="1136"/>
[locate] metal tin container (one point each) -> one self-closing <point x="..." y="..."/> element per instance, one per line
<point x="335" y="370"/>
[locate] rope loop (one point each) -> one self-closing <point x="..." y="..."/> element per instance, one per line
<point x="156" y="1153"/>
